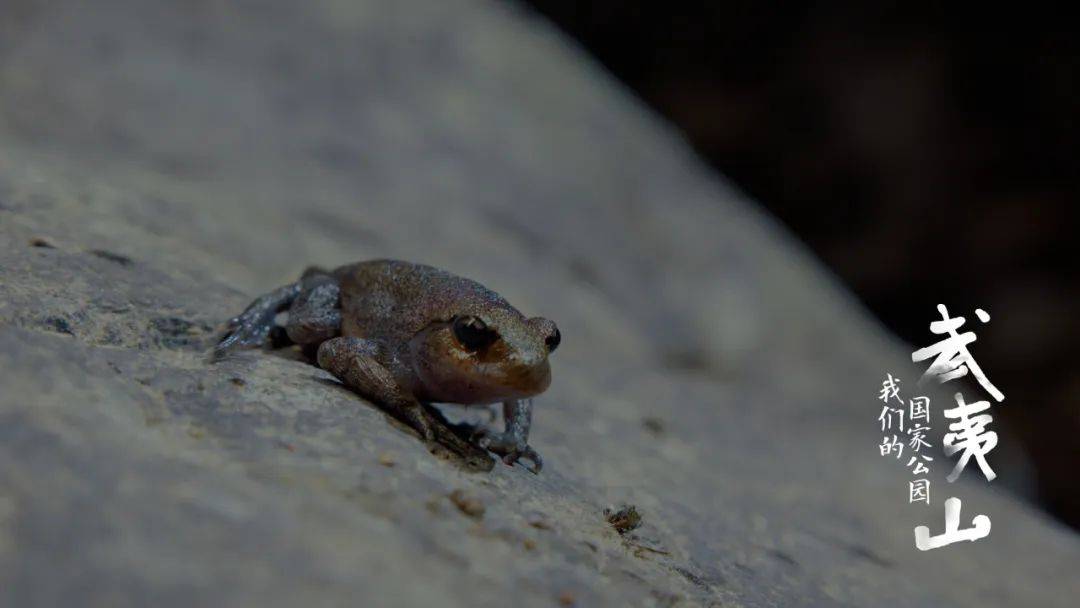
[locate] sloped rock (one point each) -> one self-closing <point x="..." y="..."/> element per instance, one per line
<point x="161" y="163"/>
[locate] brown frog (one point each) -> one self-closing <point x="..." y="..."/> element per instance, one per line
<point x="405" y="335"/>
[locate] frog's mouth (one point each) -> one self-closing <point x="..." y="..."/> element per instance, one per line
<point x="450" y="374"/>
<point x="481" y="383"/>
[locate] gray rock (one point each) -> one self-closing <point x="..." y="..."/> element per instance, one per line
<point x="162" y="163"/>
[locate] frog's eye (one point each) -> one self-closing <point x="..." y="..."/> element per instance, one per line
<point x="473" y="333"/>
<point x="552" y="341"/>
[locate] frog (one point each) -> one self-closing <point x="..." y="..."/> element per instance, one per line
<point x="406" y="335"/>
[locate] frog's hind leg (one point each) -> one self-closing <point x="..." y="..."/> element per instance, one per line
<point x="315" y="314"/>
<point x="312" y="303"/>
<point x="252" y="327"/>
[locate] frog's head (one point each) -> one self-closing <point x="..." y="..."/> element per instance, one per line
<point x="477" y="358"/>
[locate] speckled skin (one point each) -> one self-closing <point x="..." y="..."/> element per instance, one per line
<point x="390" y="330"/>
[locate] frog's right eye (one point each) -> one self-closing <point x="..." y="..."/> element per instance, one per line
<point x="553" y="340"/>
<point x="473" y="333"/>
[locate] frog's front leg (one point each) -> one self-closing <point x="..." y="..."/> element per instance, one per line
<point x="355" y="362"/>
<point x="513" y="442"/>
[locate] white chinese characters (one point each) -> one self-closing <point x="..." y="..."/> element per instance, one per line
<point x="893" y="429"/>
<point x="980" y="528"/>
<point x="968" y="435"/>
<point x="951" y="357"/>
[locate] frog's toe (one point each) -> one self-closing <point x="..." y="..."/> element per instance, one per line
<point x="252" y="327"/>
<point x="510" y="448"/>
<point x="421" y="422"/>
<point x="528" y="453"/>
<point x="243" y="333"/>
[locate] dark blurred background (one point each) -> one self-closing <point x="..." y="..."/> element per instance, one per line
<point x="926" y="155"/>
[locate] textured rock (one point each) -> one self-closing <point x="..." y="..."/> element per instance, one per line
<point x="161" y="163"/>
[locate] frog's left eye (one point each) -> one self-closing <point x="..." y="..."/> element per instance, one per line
<point x="473" y="333"/>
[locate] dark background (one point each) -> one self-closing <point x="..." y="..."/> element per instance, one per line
<point x="926" y="157"/>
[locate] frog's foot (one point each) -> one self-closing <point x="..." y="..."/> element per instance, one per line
<point x="314" y="317"/>
<point x="243" y="332"/>
<point x="252" y="327"/>
<point x="513" y="443"/>
<point x="510" y="446"/>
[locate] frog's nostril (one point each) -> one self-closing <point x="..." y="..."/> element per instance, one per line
<point x="525" y="361"/>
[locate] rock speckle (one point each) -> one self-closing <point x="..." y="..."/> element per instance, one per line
<point x="468" y="504"/>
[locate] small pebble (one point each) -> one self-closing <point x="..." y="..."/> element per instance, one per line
<point x="653" y="425"/>
<point x="540" y="523"/>
<point x="434" y="506"/>
<point x="623" y="519"/>
<point x="469" y="505"/>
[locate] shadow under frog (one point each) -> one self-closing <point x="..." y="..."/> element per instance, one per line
<point x="406" y="335"/>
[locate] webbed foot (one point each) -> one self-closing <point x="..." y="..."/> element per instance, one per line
<point x="513" y="443"/>
<point x="510" y="447"/>
<point x="252" y="327"/>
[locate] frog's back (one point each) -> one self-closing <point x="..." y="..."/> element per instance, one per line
<point x="393" y="299"/>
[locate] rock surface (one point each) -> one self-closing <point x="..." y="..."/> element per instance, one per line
<point x="161" y="163"/>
